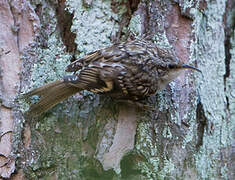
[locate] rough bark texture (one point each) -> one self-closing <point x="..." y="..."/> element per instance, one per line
<point x="17" y="28"/>
<point x="189" y="135"/>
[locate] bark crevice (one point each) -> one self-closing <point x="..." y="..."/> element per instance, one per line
<point x="229" y="28"/>
<point x="64" y="23"/>
<point x="202" y="124"/>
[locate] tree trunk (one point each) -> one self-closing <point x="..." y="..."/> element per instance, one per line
<point x="189" y="134"/>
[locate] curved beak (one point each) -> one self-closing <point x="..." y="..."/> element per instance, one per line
<point x="185" y="66"/>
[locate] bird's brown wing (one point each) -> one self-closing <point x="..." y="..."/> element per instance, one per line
<point x="80" y="63"/>
<point x="96" y="79"/>
<point x="124" y="53"/>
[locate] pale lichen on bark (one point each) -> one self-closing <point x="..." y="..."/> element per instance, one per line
<point x="69" y="140"/>
<point x="230" y="83"/>
<point x="94" y="26"/>
<point x="209" y="50"/>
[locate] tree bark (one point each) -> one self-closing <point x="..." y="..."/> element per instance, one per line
<point x="189" y="134"/>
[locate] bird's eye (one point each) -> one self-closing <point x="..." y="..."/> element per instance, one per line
<point x="171" y="66"/>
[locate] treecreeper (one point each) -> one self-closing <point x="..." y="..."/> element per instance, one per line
<point x="131" y="71"/>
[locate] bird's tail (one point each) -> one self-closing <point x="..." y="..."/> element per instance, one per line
<point x="50" y="95"/>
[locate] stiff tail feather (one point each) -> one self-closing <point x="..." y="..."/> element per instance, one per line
<point x="50" y="95"/>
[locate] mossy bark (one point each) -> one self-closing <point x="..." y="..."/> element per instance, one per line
<point x="190" y="132"/>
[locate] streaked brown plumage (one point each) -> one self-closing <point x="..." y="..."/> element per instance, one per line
<point x="132" y="70"/>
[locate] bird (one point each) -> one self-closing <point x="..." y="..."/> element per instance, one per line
<point x="131" y="70"/>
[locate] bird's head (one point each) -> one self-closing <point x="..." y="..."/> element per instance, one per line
<point x="172" y="71"/>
